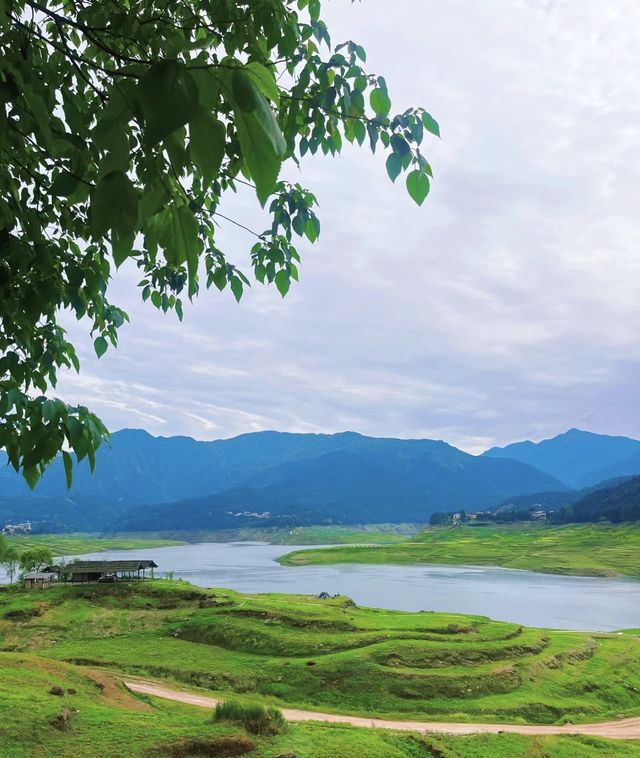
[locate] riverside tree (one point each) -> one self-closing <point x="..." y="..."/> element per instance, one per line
<point x="35" y="558"/>
<point x="122" y="126"/>
<point x="10" y="559"/>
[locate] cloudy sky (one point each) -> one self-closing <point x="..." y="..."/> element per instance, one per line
<point x="507" y="307"/>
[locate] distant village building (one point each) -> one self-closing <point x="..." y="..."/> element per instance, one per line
<point x="24" y="528"/>
<point x="538" y="514"/>
<point x="249" y="514"/>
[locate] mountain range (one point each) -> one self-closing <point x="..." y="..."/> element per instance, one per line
<point x="144" y="482"/>
<point x="578" y="459"/>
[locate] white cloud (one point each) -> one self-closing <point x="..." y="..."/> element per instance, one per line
<point x="506" y="307"/>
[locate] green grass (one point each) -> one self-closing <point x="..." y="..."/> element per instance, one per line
<point x="300" y="651"/>
<point x="107" y="721"/>
<point x="277" y="650"/>
<point x="586" y="549"/>
<point x="77" y="544"/>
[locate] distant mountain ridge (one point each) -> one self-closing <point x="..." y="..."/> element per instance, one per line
<point x="577" y="458"/>
<point x="347" y="477"/>
<point x="144" y="482"/>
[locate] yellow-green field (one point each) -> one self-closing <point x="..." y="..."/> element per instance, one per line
<point x="579" y="549"/>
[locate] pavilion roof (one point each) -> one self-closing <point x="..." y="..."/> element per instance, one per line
<point x="79" y="567"/>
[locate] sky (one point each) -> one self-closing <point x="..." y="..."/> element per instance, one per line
<point x="506" y="308"/>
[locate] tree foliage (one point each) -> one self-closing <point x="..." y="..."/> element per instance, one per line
<point x="35" y="558"/>
<point x="10" y="559"/>
<point x="122" y="126"/>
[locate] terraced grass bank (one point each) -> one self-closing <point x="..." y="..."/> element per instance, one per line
<point x="298" y="650"/>
<point x="585" y="549"/>
<point x="293" y="651"/>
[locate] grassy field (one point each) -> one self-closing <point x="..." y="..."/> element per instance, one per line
<point x="299" y="651"/>
<point x="77" y="544"/>
<point x="584" y="549"/>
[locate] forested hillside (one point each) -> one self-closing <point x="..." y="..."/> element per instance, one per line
<point x="616" y="504"/>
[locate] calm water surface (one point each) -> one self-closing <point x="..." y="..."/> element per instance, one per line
<point x="561" y="602"/>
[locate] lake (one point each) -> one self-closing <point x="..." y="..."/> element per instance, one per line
<point x="525" y="597"/>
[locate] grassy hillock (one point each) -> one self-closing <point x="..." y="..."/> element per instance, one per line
<point x="585" y="549"/>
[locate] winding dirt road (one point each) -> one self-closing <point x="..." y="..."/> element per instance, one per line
<point x="624" y="729"/>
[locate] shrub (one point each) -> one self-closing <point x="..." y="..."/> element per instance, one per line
<point x="62" y="722"/>
<point x="255" y="718"/>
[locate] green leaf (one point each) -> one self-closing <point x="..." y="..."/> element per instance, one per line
<point x="312" y="228"/>
<point x="74" y="427"/>
<point x="154" y="198"/>
<point x="64" y="184"/>
<point x="42" y="117"/>
<point x="283" y="282"/>
<point x="208" y="86"/>
<point x="115" y="115"/>
<point x="264" y="80"/>
<point x="121" y="247"/>
<point x="177" y="231"/>
<point x="220" y="278"/>
<point x="430" y="124"/>
<point x="245" y="92"/>
<point x="314" y="9"/>
<point x="400" y="145"/>
<point x="380" y="102"/>
<point x="100" y="345"/>
<point x="418" y="186"/>
<point x="32" y="475"/>
<point x="168" y="97"/>
<point x="206" y="144"/>
<point x="236" y="288"/>
<point x="68" y="468"/>
<point x="394" y="166"/>
<point x="114" y="205"/>
<point x="261" y="141"/>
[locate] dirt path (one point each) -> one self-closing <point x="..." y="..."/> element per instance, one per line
<point x="624" y="729"/>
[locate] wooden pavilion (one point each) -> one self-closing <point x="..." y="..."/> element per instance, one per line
<point x="106" y="571"/>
